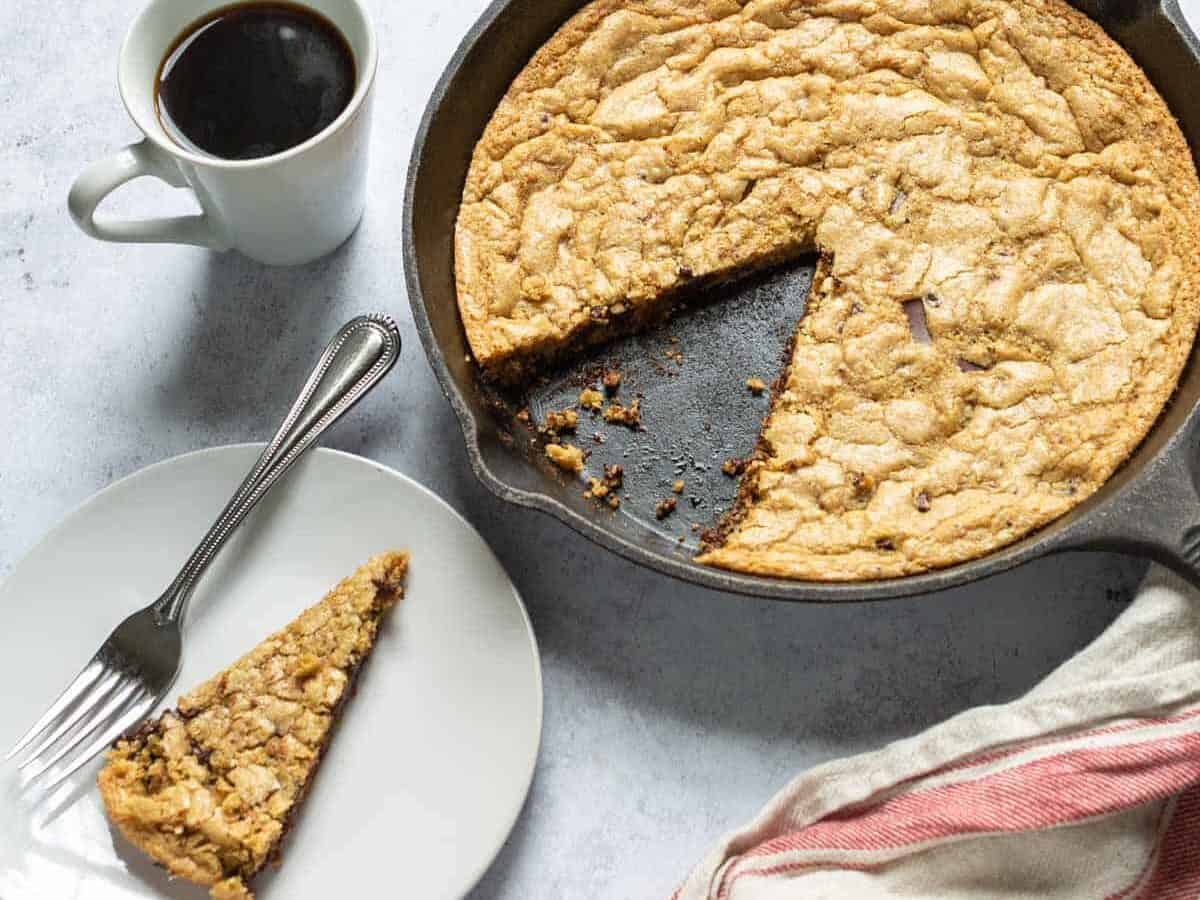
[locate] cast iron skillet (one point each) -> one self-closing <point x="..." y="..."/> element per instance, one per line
<point x="691" y="372"/>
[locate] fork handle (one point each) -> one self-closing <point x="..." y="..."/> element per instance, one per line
<point x="360" y="354"/>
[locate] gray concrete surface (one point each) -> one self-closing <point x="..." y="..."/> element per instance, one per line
<point x="672" y="713"/>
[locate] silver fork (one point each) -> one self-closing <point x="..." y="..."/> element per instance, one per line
<point x="136" y="666"/>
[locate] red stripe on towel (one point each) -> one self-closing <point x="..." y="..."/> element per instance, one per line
<point x="1057" y="790"/>
<point x="1177" y="876"/>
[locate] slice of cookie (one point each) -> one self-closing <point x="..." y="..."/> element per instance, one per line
<point x="209" y="789"/>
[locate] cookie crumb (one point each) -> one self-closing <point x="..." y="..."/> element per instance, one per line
<point x="756" y="385"/>
<point x="664" y="508"/>
<point x="613" y="501"/>
<point x="561" y="420"/>
<point x="678" y="486"/>
<point x="591" y="399"/>
<point x="567" y="457"/>
<point x="630" y="416"/>
<point x="611" y="380"/>
<point x="733" y="466"/>
<point x="606" y="487"/>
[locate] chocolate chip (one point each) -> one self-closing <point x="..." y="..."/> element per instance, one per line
<point x="923" y="502"/>
<point x="863" y="484"/>
<point x="914" y="311"/>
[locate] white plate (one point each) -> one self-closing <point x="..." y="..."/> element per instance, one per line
<point x="432" y="761"/>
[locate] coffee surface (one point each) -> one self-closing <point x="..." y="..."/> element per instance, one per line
<point x="253" y="80"/>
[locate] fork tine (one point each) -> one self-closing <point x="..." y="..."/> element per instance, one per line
<point x="88" y="676"/>
<point x="138" y="711"/>
<point x="84" y="706"/>
<point x="118" y="698"/>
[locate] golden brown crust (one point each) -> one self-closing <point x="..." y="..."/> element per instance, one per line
<point x="567" y="457"/>
<point x="208" y="790"/>
<point x="1005" y="162"/>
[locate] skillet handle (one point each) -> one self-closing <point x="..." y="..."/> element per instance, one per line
<point x="1156" y="515"/>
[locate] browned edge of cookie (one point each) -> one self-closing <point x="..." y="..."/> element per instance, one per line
<point x="518" y="370"/>
<point x="715" y="537"/>
<point x="388" y="595"/>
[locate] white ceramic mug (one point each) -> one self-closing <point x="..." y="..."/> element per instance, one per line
<point x="284" y="209"/>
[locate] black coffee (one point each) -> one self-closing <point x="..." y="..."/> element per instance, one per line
<point x="253" y="80"/>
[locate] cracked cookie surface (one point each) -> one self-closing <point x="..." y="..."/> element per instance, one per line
<point x="209" y="789"/>
<point x="1004" y="163"/>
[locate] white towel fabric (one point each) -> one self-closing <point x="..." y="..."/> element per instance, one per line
<point x="1086" y="787"/>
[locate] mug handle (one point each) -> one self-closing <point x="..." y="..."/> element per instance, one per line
<point x="102" y="178"/>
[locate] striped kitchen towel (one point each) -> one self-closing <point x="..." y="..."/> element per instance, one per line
<point x="1086" y="787"/>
